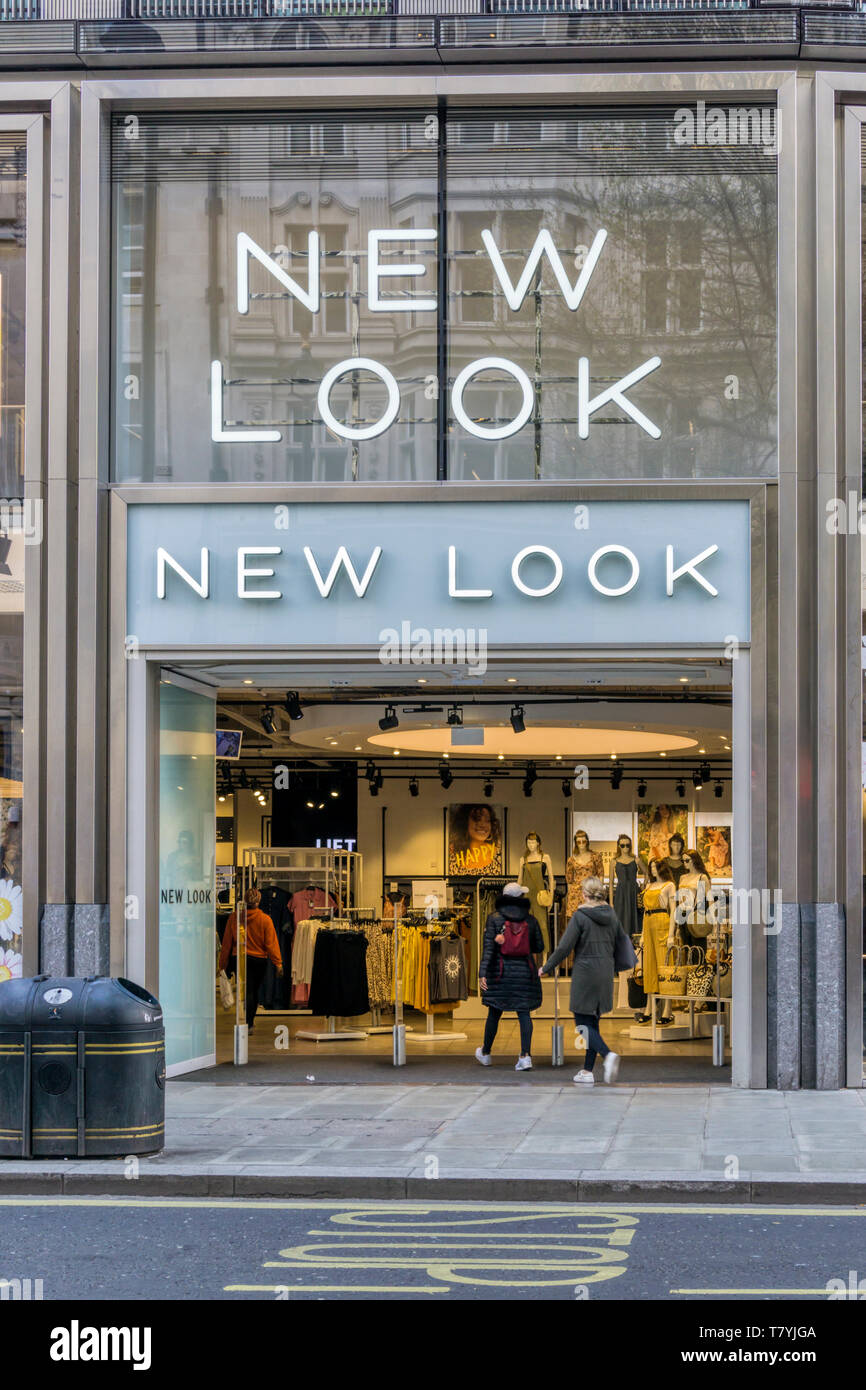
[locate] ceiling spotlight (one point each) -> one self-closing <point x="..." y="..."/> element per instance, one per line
<point x="566" y="787"/>
<point x="413" y="787"/>
<point x="706" y="772"/>
<point x="455" y="715"/>
<point x="488" y="787"/>
<point x="641" y="787"/>
<point x="527" y="787"/>
<point x="697" y="780"/>
<point x="446" y="776"/>
<point x="370" y="770"/>
<point x="335" y="793"/>
<point x="267" y="718"/>
<point x="221" y="797"/>
<point x="374" y="788"/>
<point x="518" y="723"/>
<point x="379" y="780"/>
<point x="681" y="787"/>
<point x="616" y="779"/>
<point x="531" y="773"/>
<point x="389" y="720"/>
<point x="718" y="789"/>
<point x="292" y="705"/>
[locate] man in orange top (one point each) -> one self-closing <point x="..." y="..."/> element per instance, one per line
<point x="262" y="945"/>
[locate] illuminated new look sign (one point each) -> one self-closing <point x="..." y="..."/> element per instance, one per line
<point x="586" y="404"/>
<point x="545" y="573"/>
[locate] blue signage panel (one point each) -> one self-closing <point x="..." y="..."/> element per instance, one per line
<point x="365" y="574"/>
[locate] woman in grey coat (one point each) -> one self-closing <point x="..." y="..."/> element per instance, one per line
<point x="591" y="935"/>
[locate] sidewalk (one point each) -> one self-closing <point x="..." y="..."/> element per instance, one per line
<point x="526" y="1143"/>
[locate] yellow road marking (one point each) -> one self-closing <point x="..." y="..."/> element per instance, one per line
<point x="824" y="1291"/>
<point x="331" y="1288"/>
<point x="432" y="1208"/>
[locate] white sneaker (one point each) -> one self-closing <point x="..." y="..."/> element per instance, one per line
<point x="584" y="1078"/>
<point x="523" y="1064"/>
<point x="611" y="1067"/>
<point x="483" y="1058"/>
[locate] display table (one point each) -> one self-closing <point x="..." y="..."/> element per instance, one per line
<point x="676" y="1032"/>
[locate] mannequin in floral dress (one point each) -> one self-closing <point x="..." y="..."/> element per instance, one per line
<point x="581" y="864"/>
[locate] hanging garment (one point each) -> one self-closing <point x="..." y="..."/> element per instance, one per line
<point x="306" y="901"/>
<point x="447" y="971"/>
<point x="339" y="983"/>
<point x="625" y="897"/>
<point x="275" y="902"/>
<point x="380" y="963"/>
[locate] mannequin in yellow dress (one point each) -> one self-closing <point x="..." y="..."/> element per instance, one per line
<point x="659" y="928"/>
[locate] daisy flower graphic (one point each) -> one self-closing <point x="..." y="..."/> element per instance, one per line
<point x="11" y="965"/>
<point x="10" y="909"/>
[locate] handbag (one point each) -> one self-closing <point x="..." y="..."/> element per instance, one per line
<point x="544" y="897"/>
<point x="672" y="977"/>
<point x="624" y="957"/>
<point x="727" y="980"/>
<point x="700" y="979"/>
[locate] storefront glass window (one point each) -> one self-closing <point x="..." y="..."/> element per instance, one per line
<point x="187" y="835"/>
<point x="557" y="295"/>
<point x="19" y="525"/>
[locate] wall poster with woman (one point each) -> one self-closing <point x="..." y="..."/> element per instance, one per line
<point x="656" y="825"/>
<point x="475" y="839"/>
<point x="714" y="847"/>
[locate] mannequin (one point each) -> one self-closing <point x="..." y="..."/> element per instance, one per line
<point x="622" y="889"/>
<point x="674" y="861"/>
<point x="694" y="909"/>
<point x="582" y="863"/>
<point x="659" y="930"/>
<point x="536" y="874"/>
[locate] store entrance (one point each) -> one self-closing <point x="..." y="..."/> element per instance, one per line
<point x="380" y="819"/>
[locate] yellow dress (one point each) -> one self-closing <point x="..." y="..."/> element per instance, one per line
<point x="656" y="924"/>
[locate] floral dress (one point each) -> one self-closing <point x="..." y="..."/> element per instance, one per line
<point x="575" y="876"/>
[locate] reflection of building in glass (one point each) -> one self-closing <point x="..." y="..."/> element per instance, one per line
<point x="687" y="273"/>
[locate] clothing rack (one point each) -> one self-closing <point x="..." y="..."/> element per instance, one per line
<point x="333" y="1034"/>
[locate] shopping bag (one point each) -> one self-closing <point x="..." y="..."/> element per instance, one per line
<point x="672" y="976"/>
<point x="227" y="994"/>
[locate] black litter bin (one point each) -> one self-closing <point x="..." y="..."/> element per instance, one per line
<point x="82" y="1068"/>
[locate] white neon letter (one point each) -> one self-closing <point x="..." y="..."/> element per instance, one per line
<point x="358" y="364"/>
<point x="244" y="573"/>
<point x="247" y="247"/>
<point x="218" y="433"/>
<point x="572" y="294"/>
<point x="453" y="591"/>
<point x="163" y="558"/>
<point x="613" y="550"/>
<point x="325" y="586"/>
<point x="375" y="271"/>
<point x="587" y="407"/>
<point x="537" y="550"/>
<point x="689" y="568"/>
<point x="484" y="364"/>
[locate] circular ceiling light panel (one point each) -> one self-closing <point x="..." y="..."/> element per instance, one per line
<point x="536" y="742"/>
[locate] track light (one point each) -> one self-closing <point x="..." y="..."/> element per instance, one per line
<point x="389" y="719"/>
<point x="379" y="779"/>
<point x="681" y="787"/>
<point x="527" y="787"/>
<point x="706" y="772"/>
<point x="641" y="787"/>
<point x="414" y="787"/>
<point x="531" y="773"/>
<point x="292" y="705"/>
<point x="455" y="715"/>
<point x="566" y="787"/>
<point x="446" y="776"/>
<point x="697" y="780"/>
<point x="718" y="789"/>
<point x="267" y="719"/>
<point x="488" y="787"/>
<point x="616" y="779"/>
<point x="374" y="788"/>
<point x="518" y="723"/>
<point x="370" y="770"/>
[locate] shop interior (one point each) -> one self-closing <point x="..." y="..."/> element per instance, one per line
<point x="393" y="813"/>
